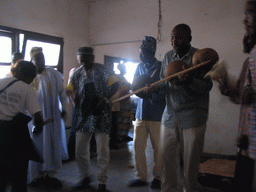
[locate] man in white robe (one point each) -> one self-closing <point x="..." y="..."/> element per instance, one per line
<point x="52" y="141"/>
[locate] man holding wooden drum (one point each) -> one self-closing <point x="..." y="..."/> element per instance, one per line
<point x="148" y="115"/>
<point x="185" y="116"/>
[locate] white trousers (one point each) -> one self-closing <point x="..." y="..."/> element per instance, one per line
<point x="181" y="146"/>
<point x="83" y="154"/>
<point x="142" y="130"/>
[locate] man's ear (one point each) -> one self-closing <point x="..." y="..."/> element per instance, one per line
<point x="190" y="39"/>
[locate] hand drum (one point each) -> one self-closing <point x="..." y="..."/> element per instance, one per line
<point x="205" y="55"/>
<point x="139" y="82"/>
<point x="172" y="68"/>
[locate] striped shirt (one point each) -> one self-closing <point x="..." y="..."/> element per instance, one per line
<point x="247" y="121"/>
<point x="186" y="104"/>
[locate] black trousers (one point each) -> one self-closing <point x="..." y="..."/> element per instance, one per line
<point x="72" y="137"/>
<point x="243" y="174"/>
<point x="15" y="171"/>
<point x="16" y="149"/>
<point x="113" y="130"/>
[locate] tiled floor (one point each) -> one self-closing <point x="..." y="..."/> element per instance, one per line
<point x="121" y="171"/>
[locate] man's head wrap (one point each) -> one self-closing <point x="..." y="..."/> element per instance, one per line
<point x="35" y="50"/>
<point x="149" y="43"/>
<point x="85" y="50"/>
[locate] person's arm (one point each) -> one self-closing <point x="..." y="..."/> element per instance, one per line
<point x="228" y="89"/>
<point x="61" y="92"/>
<point x="70" y="94"/>
<point x="34" y="109"/>
<point x="72" y="87"/>
<point x="160" y="87"/>
<point x="235" y="91"/>
<point x="137" y="71"/>
<point x="63" y="100"/>
<point x="69" y="89"/>
<point x="198" y="85"/>
<point x="106" y="99"/>
<point x="38" y="122"/>
<point x="112" y="83"/>
<point x="113" y="89"/>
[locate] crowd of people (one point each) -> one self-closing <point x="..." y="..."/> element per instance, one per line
<point x="173" y="115"/>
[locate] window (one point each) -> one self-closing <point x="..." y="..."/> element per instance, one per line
<point x="16" y="40"/>
<point x="130" y="66"/>
<point x="5" y="51"/>
<point x="130" y="70"/>
<point x="51" y="52"/>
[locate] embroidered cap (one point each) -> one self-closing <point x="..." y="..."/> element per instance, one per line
<point x="35" y="50"/>
<point x="85" y="50"/>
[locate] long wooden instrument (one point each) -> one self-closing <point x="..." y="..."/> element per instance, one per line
<point x="162" y="80"/>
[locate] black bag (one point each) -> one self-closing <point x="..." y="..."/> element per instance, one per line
<point x="15" y="140"/>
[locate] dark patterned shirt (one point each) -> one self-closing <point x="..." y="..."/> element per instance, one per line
<point x="90" y="86"/>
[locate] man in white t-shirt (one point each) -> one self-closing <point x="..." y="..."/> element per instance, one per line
<point x="15" y="143"/>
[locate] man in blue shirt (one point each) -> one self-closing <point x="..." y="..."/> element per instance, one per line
<point x="148" y="117"/>
<point x="184" y="118"/>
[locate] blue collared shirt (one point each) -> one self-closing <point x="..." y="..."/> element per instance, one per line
<point x="186" y="104"/>
<point x="150" y="109"/>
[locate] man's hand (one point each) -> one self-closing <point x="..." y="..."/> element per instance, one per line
<point x="185" y="77"/>
<point x="38" y="122"/>
<point x="39" y="128"/>
<point x="63" y="114"/>
<point x="121" y="93"/>
<point x="149" y="89"/>
<point x="223" y="81"/>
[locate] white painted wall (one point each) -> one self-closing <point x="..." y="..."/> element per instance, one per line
<point x="216" y="24"/>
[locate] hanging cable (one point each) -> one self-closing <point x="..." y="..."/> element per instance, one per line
<point x="159" y="25"/>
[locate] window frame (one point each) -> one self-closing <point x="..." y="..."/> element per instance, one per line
<point x="29" y="35"/>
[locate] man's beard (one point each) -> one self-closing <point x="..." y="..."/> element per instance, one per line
<point x="248" y="42"/>
<point x="148" y="58"/>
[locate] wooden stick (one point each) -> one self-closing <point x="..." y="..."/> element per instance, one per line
<point x="154" y="73"/>
<point x="162" y="80"/>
